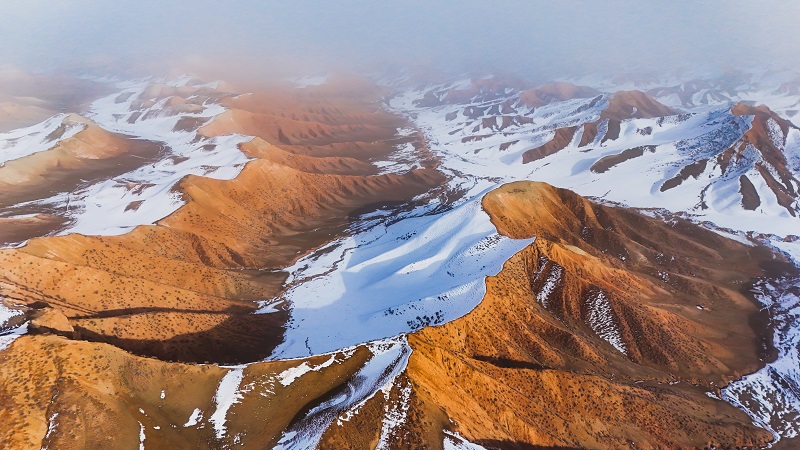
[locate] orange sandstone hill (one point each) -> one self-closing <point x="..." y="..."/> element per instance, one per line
<point x="609" y="331"/>
<point x="622" y="106"/>
<point x="184" y="288"/>
<point x="92" y="150"/>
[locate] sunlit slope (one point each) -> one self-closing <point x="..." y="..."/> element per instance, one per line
<point x="610" y="328"/>
<point x="183" y="287"/>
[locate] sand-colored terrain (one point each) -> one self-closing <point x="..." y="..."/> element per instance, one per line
<point x="527" y="368"/>
<point x="184" y="288"/>
<point x="58" y="393"/>
<point x="530" y="366"/>
<point x="64" y="166"/>
<point x="621" y="106"/>
<point x="611" y="330"/>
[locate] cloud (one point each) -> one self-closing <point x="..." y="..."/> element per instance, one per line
<point x="524" y="36"/>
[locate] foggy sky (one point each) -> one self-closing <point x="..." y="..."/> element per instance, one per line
<point x="547" y="38"/>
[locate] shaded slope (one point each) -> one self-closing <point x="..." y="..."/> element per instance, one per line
<point x="58" y="393"/>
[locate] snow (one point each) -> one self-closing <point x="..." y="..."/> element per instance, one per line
<point x="401" y="270"/>
<point x="454" y="441"/>
<point x="389" y="360"/>
<point x="288" y="376"/>
<point x="790" y="248"/>
<point x="792" y="151"/>
<point x="6" y="314"/>
<point x="738" y="236"/>
<point x="52" y="426"/>
<point x="771" y="396"/>
<point x="392" y="279"/>
<point x="8" y="333"/>
<point x="102" y="207"/>
<point x="194" y="419"/>
<point x="141" y="436"/>
<point x="22" y="142"/>
<point x="678" y="140"/>
<point x="227" y="394"/>
<point x="553" y="280"/>
<point x="394" y="414"/>
<point x="269" y="307"/>
<point x="603" y="322"/>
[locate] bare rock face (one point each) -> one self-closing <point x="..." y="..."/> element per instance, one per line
<point x="51" y="320"/>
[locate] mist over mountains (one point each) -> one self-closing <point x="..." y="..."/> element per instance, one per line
<point x="530" y="38"/>
<point x="399" y="225"/>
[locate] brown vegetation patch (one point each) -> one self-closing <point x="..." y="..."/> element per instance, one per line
<point x="561" y="139"/>
<point x="750" y="198"/>
<point x="605" y="163"/>
<point x="694" y="169"/>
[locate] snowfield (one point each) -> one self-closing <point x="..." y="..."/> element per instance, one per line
<point x="22" y="142"/>
<point x="473" y="146"/>
<point x="103" y="206"/>
<point x="667" y="145"/>
<point x="389" y="280"/>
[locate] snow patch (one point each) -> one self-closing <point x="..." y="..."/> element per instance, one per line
<point x="52" y="425"/>
<point x="9" y="333"/>
<point x="288" y="376"/>
<point x="227" y="394"/>
<point x="103" y="206"/>
<point x="389" y="360"/>
<point x="194" y="419"/>
<point x="454" y="441"/>
<point x="394" y="414"/>
<point x="771" y="396"/>
<point x="141" y="436"/>
<point x="37" y="138"/>
<point x="602" y="321"/>
<point x="553" y="280"/>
